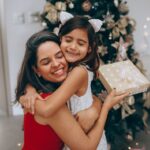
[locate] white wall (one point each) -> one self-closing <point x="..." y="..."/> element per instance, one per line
<point x="140" y="11"/>
<point x="18" y="29"/>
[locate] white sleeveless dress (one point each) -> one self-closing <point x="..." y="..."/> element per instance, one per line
<point x="77" y="104"/>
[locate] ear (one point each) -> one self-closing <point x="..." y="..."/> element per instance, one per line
<point x="36" y="71"/>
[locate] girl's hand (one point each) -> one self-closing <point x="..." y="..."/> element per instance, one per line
<point x="28" y="100"/>
<point x="87" y="118"/>
<point x="114" y="98"/>
<point x="103" y="95"/>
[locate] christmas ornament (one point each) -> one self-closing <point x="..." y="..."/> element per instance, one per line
<point x="86" y="6"/>
<point x="126" y="110"/>
<point x="123" y="8"/>
<point x="110" y="23"/>
<point x="48" y="6"/>
<point x="71" y="5"/>
<point x="116" y="3"/>
<point x="102" y="50"/>
<point x="56" y="30"/>
<point x="122" y="24"/>
<point x="60" y="6"/>
<point x="95" y="6"/>
<point x="122" y="50"/>
<point x="115" y="32"/>
<point x="129" y="39"/>
<point x="52" y="15"/>
<point x="132" y="22"/>
<point x="110" y="36"/>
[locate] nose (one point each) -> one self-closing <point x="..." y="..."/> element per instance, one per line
<point x="55" y="63"/>
<point x="73" y="46"/>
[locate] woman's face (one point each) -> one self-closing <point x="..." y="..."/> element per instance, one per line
<point x="75" y="45"/>
<point x="51" y="64"/>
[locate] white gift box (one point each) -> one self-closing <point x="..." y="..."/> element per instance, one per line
<point x="124" y="76"/>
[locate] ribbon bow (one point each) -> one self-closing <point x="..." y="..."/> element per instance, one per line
<point x="96" y="23"/>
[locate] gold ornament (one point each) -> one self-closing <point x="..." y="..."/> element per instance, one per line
<point x="122" y="50"/>
<point x="129" y="39"/>
<point x="102" y="50"/>
<point x="86" y="5"/>
<point x="48" y="7"/>
<point x="71" y="5"/>
<point x="115" y="32"/>
<point x="110" y="23"/>
<point x="52" y="15"/>
<point x="123" y="8"/>
<point x="122" y="24"/>
<point x="61" y="6"/>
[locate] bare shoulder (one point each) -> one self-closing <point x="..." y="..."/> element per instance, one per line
<point x="79" y="71"/>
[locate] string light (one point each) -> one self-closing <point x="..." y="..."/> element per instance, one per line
<point x="148" y="18"/>
<point x="19" y="144"/>
<point x="145" y="26"/>
<point x="146" y="34"/>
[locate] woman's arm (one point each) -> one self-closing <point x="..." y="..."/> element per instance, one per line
<point x="76" y="78"/>
<point x="66" y="127"/>
<point x="71" y="133"/>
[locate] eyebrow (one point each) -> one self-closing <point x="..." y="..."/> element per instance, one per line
<point x="58" y="53"/>
<point x="47" y="58"/>
<point x="83" y="40"/>
<point x="44" y="59"/>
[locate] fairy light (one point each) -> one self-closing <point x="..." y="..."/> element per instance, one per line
<point x="129" y="147"/>
<point x="145" y="26"/>
<point x="148" y="18"/>
<point x="143" y="45"/>
<point x="19" y="144"/>
<point x="146" y="34"/>
<point x="44" y="24"/>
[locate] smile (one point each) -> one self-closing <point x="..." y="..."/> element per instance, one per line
<point x="72" y="53"/>
<point x="59" y="72"/>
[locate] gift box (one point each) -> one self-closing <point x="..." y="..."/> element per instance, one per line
<point x="123" y="76"/>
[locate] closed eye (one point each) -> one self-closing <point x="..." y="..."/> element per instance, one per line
<point x="68" y="39"/>
<point x="59" y="55"/>
<point x="45" y="61"/>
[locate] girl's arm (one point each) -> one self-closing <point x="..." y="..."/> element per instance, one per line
<point x="76" y="78"/>
<point x="71" y="133"/>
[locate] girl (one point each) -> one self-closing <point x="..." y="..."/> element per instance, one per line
<point x="81" y="52"/>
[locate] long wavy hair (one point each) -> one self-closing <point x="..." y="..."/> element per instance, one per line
<point x="27" y="75"/>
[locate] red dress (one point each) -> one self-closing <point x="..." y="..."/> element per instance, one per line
<point x="39" y="137"/>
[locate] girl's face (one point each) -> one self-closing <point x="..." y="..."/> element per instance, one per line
<point x="51" y="64"/>
<point x="75" y="45"/>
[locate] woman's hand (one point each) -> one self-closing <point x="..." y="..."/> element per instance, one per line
<point x="28" y="100"/>
<point x="87" y="118"/>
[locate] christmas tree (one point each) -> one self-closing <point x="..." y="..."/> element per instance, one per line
<point x="116" y="43"/>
